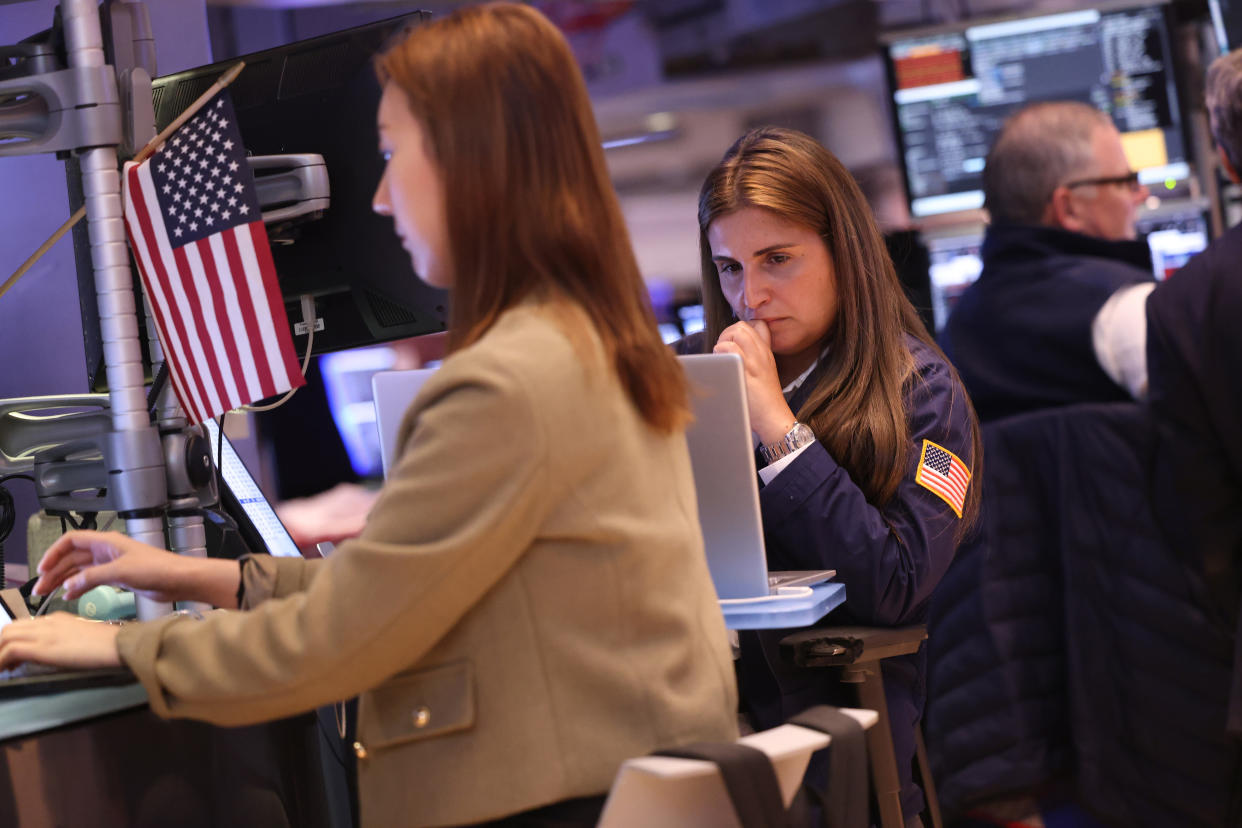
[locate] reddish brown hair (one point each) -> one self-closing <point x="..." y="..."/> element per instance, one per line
<point x="530" y="208"/>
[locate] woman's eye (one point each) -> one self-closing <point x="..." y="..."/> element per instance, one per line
<point x="729" y="268"/>
<point x="778" y="258"/>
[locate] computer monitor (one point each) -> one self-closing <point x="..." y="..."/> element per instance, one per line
<point x="953" y="88"/>
<point x="1174" y="233"/>
<point x="955" y="265"/>
<point x="242" y="498"/>
<point x="347" y="383"/>
<point x="320" y="96"/>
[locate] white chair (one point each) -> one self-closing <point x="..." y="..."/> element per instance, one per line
<point x="664" y="792"/>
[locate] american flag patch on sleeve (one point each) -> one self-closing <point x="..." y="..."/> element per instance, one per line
<point x="944" y="475"/>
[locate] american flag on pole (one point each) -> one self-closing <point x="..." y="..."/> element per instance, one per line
<point x="944" y="474"/>
<point x="194" y="224"/>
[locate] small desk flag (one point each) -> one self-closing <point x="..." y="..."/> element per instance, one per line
<point x="193" y="220"/>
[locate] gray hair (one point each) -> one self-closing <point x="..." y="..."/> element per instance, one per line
<point x="1041" y="147"/>
<point x="1224" y="104"/>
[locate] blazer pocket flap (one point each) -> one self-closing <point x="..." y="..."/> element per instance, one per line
<point x="421" y="705"/>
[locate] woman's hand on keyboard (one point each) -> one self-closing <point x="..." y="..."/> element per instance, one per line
<point x="82" y="560"/>
<point x="61" y="640"/>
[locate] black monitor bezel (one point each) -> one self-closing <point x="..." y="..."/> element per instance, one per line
<point x="374" y="306"/>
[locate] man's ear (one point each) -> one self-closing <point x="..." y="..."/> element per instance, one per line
<point x="1227" y="166"/>
<point x="1062" y="211"/>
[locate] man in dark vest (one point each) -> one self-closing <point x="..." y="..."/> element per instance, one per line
<point x="1194" y="351"/>
<point x="1056" y="316"/>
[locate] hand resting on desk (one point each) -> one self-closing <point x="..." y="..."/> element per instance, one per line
<point x="61" y="640"/>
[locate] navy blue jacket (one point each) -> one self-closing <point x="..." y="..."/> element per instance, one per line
<point x="890" y="558"/>
<point x="1194" y="356"/>
<point x="1020" y="336"/>
<point x="1070" y="639"/>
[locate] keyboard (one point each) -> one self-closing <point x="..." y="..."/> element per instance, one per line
<point x="39" y="679"/>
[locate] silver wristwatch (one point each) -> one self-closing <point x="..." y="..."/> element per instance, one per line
<point x="799" y="435"/>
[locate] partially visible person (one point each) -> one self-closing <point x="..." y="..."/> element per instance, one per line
<point x="1056" y="316"/>
<point x="529" y="603"/>
<point x="1194" y="354"/>
<point x="868" y="438"/>
<point x="331" y="516"/>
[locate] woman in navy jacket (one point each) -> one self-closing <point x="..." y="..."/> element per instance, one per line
<point x="868" y="441"/>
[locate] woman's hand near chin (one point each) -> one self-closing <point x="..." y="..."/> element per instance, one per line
<point x="770" y="415"/>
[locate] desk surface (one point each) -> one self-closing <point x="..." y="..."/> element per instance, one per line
<point x="39" y="712"/>
<point x="799" y="607"/>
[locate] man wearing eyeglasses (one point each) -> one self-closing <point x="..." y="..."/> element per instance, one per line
<point x="1057" y="314"/>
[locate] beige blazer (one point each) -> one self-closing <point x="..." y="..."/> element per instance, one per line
<point x="528" y="605"/>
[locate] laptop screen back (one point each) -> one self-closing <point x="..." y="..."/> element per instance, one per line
<point x="723" y="460"/>
<point x="393" y="392"/>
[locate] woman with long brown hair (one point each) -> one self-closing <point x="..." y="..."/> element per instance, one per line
<point x="529" y="603"/>
<point x="868" y="437"/>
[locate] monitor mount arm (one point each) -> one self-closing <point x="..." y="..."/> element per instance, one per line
<point x="77" y="106"/>
<point x="107" y="454"/>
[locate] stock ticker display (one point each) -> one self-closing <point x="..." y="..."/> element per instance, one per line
<point x="952" y="91"/>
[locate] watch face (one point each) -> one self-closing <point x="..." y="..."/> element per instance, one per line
<point x="798" y="436"/>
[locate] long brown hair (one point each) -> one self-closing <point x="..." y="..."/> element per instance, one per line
<point x="857" y="408"/>
<point x="530" y="209"/>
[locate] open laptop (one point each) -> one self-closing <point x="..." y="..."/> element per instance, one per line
<point x="722" y="456"/>
<point x="393" y="391"/>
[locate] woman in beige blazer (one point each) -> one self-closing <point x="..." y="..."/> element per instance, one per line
<point x="529" y="603"/>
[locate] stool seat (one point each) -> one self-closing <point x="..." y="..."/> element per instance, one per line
<point x="858" y="651"/>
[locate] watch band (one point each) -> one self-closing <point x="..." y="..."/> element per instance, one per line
<point x="799" y="435"/>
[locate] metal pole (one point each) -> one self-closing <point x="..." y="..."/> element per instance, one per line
<point x="135" y="455"/>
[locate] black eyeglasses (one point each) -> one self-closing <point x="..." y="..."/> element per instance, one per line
<point x="1130" y="180"/>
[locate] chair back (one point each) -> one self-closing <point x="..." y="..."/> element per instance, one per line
<point x="665" y="792"/>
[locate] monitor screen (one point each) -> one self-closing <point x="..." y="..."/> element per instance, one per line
<point x="955" y="265"/>
<point x="319" y="96"/>
<point x="953" y="90"/>
<point x="347" y="382"/>
<point x="256" y="520"/>
<point x="1174" y="236"/>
